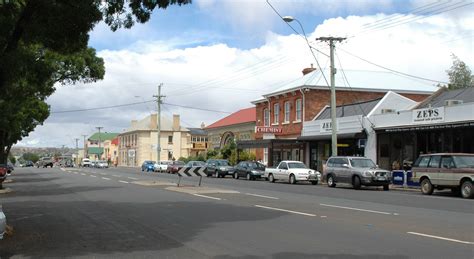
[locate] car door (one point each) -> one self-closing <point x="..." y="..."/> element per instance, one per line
<point x="344" y="171"/>
<point x="433" y="170"/>
<point x="282" y="171"/>
<point x="447" y="172"/>
<point x="238" y="169"/>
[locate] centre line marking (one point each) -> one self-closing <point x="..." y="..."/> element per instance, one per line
<point x="290" y="211"/>
<point x="116" y="175"/>
<point x="263" y="196"/>
<point x="133" y="178"/>
<point x="123" y="182"/>
<point x="105" y="178"/>
<point x="208" y="197"/>
<point x="442" y="238"/>
<point x="349" y="208"/>
<point x="92" y="176"/>
<point x="83" y="174"/>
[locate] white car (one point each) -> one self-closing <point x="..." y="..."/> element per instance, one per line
<point x="292" y="172"/>
<point x="3" y="223"/>
<point x="86" y="162"/>
<point x="162" y="166"/>
<point x="102" y="164"/>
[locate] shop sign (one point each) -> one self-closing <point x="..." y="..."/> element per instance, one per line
<point x="201" y="145"/>
<point x="428" y="115"/>
<point x="131" y="153"/>
<point x="260" y="129"/>
<point x="326" y="126"/>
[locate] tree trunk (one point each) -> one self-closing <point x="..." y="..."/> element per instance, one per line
<point x="4" y="148"/>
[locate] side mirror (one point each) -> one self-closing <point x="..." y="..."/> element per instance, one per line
<point x="377" y="166"/>
<point x="345" y="165"/>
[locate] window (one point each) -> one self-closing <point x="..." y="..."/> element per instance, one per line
<point x="276" y="113"/>
<point x="170" y="139"/>
<point x="434" y="162"/>
<point x="287" y="112"/>
<point x="283" y="166"/>
<point x="447" y="162"/>
<point x="266" y="117"/>
<point x="298" y="110"/>
<point x="424" y="161"/>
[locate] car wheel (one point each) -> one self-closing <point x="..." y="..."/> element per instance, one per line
<point x="271" y="178"/>
<point x="426" y="187"/>
<point x="292" y="179"/>
<point x="314" y="182"/>
<point x="249" y="177"/>
<point x="356" y="183"/>
<point x="331" y="182"/>
<point x="466" y="190"/>
<point x="236" y="175"/>
<point x="386" y="187"/>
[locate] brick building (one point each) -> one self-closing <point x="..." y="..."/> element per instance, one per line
<point x="280" y="114"/>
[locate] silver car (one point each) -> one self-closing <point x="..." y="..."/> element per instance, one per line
<point x="357" y="171"/>
<point x="3" y="223"/>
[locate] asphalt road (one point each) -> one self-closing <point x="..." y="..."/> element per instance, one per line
<point x="124" y="213"/>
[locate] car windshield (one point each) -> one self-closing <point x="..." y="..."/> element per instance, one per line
<point x="222" y="163"/>
<point x="255" y="165"/>
<point x="464" y="161"/>
<point x="296" y="165"/>
<point x="362" y="162"/>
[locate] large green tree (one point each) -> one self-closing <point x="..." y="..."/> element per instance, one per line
<point x="460" y="75"/>
<point x="44" y="43"/>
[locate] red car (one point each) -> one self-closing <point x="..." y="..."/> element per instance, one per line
<point x="174" y="167"/>
<point x="3" y="172"/>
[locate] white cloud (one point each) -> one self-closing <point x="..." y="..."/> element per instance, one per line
<point x="223" y="78"/>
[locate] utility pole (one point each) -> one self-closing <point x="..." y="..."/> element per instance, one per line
<point x="85" y="146"/>
<point x="332" y="46"/>
<point x="100" y="153"/>
<point x="76" y="139"/>
<point x="158" y="103"/>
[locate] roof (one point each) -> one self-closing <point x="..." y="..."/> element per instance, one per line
<point x="95" y="150"/>
<point x="103" y="136"/>
<point x="382" y="81"/>
<point x="438" y="99"/>
<point x="360" y="108"/>
<point x="115" y="141"/>
<point x="145" y="124"/>
<point x="197" y="132"/>
<point x="239" y="117"/>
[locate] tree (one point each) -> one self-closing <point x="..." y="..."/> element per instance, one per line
<point x="460" y="75"/>
<point x="12" y="159"/>
<point x="43" y="43"/>
<point x="31" y="157"/>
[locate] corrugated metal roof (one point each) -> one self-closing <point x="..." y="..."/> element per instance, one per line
<point x="239" y="117"/>
<point x="197" y="132"/>
<point x="103" y="136"/>
<point x="361" y="108"/>
<point x="95" y="150"/>
<point x="438" y="99"/>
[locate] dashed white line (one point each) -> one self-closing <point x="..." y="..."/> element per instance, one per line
<point x="116" y="175"/>
<point x="123" y="182"/>
<point x="290" y="211"/>
<point x="442" y="238"/>
<point x="133" y="178"/>
<point x="208" y="197"/>
<point x="92" y="176"/>
<point x="364" y="210"/>
<point x="262" y="196"/>
<point x="105" y="178"/>
<point x="83" y="174"/>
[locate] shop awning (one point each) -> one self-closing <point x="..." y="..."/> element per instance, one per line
<point x="356" y="135"/>
<point x="425" y="127"/>
<point x="263" y="143"/>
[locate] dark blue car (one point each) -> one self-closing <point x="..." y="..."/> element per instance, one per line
<point x="148" y="166"/>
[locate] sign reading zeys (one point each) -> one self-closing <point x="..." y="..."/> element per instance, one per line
<point x="428" y="115"/>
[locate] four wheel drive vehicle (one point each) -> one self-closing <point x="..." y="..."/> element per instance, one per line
<point x="292" y="171"/>
<point x="86" y="162"/>
<point x="251" y="170"/>
<point x="357" y="171"/>
<point x="162" y="166"/>
<point x="148" y="166"/>
<point x="445" y="170"/>
<point x="174" y="167"/>
<point x="45" y="162"/>
<point x="3" y="223"/>
<point x="218" y="168"/>
<point x="29" y="164"/>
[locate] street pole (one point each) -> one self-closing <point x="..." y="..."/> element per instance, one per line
<point x="158" y="103"/>
<point x="331" y="41"/>
<point x="85" y="146"/>
<point x="100" y="153"/>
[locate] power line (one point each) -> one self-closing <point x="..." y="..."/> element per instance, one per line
<point x="104" y="107"/>
<point x="195" y="108"/>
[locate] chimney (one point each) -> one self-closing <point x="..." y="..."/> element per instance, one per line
<point x="308" y="70"/>
<point x="176" y="126"/>
<point x="153" y="121"/>
<point x="134" y="123"/>
<point x="203" y="125"/>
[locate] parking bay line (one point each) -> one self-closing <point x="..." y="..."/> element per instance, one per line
<point x="442" y="238"/>
<point x="208" y="197"/>
<point x="289" y="211"/>
<point x="364" y="210"/>
<point x="123" y="181"/>
<point x="262" y="196"/>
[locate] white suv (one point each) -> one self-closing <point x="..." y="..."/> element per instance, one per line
<point x="86" y="162"/>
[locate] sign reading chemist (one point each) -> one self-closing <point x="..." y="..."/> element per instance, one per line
<point x="428" y="115"/>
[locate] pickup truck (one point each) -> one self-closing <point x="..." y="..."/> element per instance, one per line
<point x="44" y="162"/>
<point x="293" y="172"/>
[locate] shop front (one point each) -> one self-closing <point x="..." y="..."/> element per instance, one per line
<point x="276" y="150"/>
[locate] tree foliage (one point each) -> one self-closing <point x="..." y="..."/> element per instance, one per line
<point x="44" y="43"/>
<point x="30" y="157"/>
<point x="460" y="75"/>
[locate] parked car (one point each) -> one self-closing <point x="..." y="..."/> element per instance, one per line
<point x="94" y="163"/>
<point x="357" y="171"/>
<point x="3" y="172"/>
<point x="174" y="167"/>
<point x="3" y="223"/>
<point x="45" y="162"/>
<point x="29" y="164"/>
<point x="251" y="170"/>
<point x="445" y="170"/>
<point x="102" y="164"/>
<point x="293" y="172"/>
<point x="162" y="166"/>
<point x="219" y="168"/>
<point x="86" y="162"/>
<point x="195" y="164"/>
<point x="148" y="166"/>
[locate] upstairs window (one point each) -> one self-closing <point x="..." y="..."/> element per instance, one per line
<point x="287" y="112"/>
<point x="266" y="117"/>
<point x="298" y="110"/>
<point x="276" y="113"/>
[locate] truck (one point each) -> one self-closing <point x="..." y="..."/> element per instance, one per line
<point x="45" y="162"/>
<point x="292" y="172"/>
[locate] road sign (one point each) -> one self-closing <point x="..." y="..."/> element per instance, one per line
<point x="192" y="172"/>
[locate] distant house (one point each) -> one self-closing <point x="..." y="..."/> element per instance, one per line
<point x="199" y="141"/>
<point x="95" y="145"/>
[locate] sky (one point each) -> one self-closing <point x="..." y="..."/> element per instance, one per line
<point x="214" y="57"/>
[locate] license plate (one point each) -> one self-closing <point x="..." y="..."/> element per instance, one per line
<point x="380" y="178"/>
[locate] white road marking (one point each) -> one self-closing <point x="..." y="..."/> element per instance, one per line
<point x="209" y="197"/>
<point x="116" y="175"/>
<point x="74" y="172"/>
<point x="123" y="182"/>
<point x="83" y="174"/>
<point x="349" y="208"/>
<point x="442" y="238"/>
<point x="105" y="178"/>
<point x="263" y="196"/>
<point x="62" y="169"/>
<point x="324" y="216"/>
<point x="92" y="176"/>
<point x="290" y="211"/>
<point x="133" y="178"/>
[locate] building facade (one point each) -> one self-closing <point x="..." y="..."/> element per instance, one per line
<point x="95" y="145"/>
<point x="199" y="141"/>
